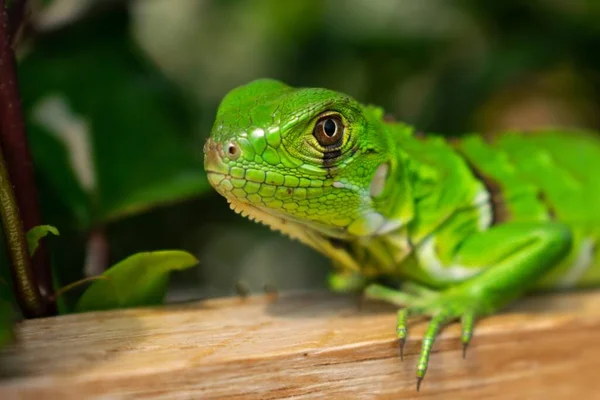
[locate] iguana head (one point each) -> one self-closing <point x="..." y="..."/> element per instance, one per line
<point x="304" y="159"/>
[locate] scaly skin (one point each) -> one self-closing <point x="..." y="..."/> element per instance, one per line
<point x="468" y="226"/>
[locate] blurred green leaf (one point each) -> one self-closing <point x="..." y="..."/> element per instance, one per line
<point x="110" y="134"/>
<point x="139" y="280"/>
<point x="36" y="233"/>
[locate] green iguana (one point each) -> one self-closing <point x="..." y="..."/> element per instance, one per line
<point x="464" y="226"/>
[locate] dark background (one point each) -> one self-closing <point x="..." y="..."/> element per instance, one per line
<point x="119" y="97"/>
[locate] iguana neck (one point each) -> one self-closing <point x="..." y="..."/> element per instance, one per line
<point x="429" y="182"/>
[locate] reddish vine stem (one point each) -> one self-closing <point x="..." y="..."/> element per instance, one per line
<point x="19" y="166"/>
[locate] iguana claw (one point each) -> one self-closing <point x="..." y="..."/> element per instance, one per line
<point x="442" y="307"/>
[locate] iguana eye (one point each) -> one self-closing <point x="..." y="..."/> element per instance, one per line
<point x="329" y="130"/>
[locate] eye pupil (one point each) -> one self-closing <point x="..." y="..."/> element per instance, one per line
<point x="330" y="127"/>
<point x="329" y="130"/>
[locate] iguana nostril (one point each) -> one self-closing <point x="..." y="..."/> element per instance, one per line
<point x="208" y="145"/>
<point x="233" y="150"/>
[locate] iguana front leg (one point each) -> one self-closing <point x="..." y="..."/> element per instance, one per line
<point x="514" y="255"/>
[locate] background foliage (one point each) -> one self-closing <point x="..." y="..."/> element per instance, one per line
<point x="120" y="95"/>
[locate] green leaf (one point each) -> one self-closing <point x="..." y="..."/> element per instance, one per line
<point x="110" y="135"/>
<point x="139" y="280"/>
<point x="36" y="234"/>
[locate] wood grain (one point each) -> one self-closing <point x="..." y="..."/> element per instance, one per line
<point x="308" y="345"/>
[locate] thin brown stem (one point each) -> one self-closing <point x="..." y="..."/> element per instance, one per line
<point x="19" y="168"/>
<point x="80" y="282"/>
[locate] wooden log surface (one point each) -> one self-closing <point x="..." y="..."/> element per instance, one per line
<point x="308" y="345"/>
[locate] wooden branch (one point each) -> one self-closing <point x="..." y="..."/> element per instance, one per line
<point x="304" y="346"/>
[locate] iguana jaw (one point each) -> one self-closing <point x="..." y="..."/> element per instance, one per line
<point x="278" y="223"/>
<point x="295" y="230"/>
